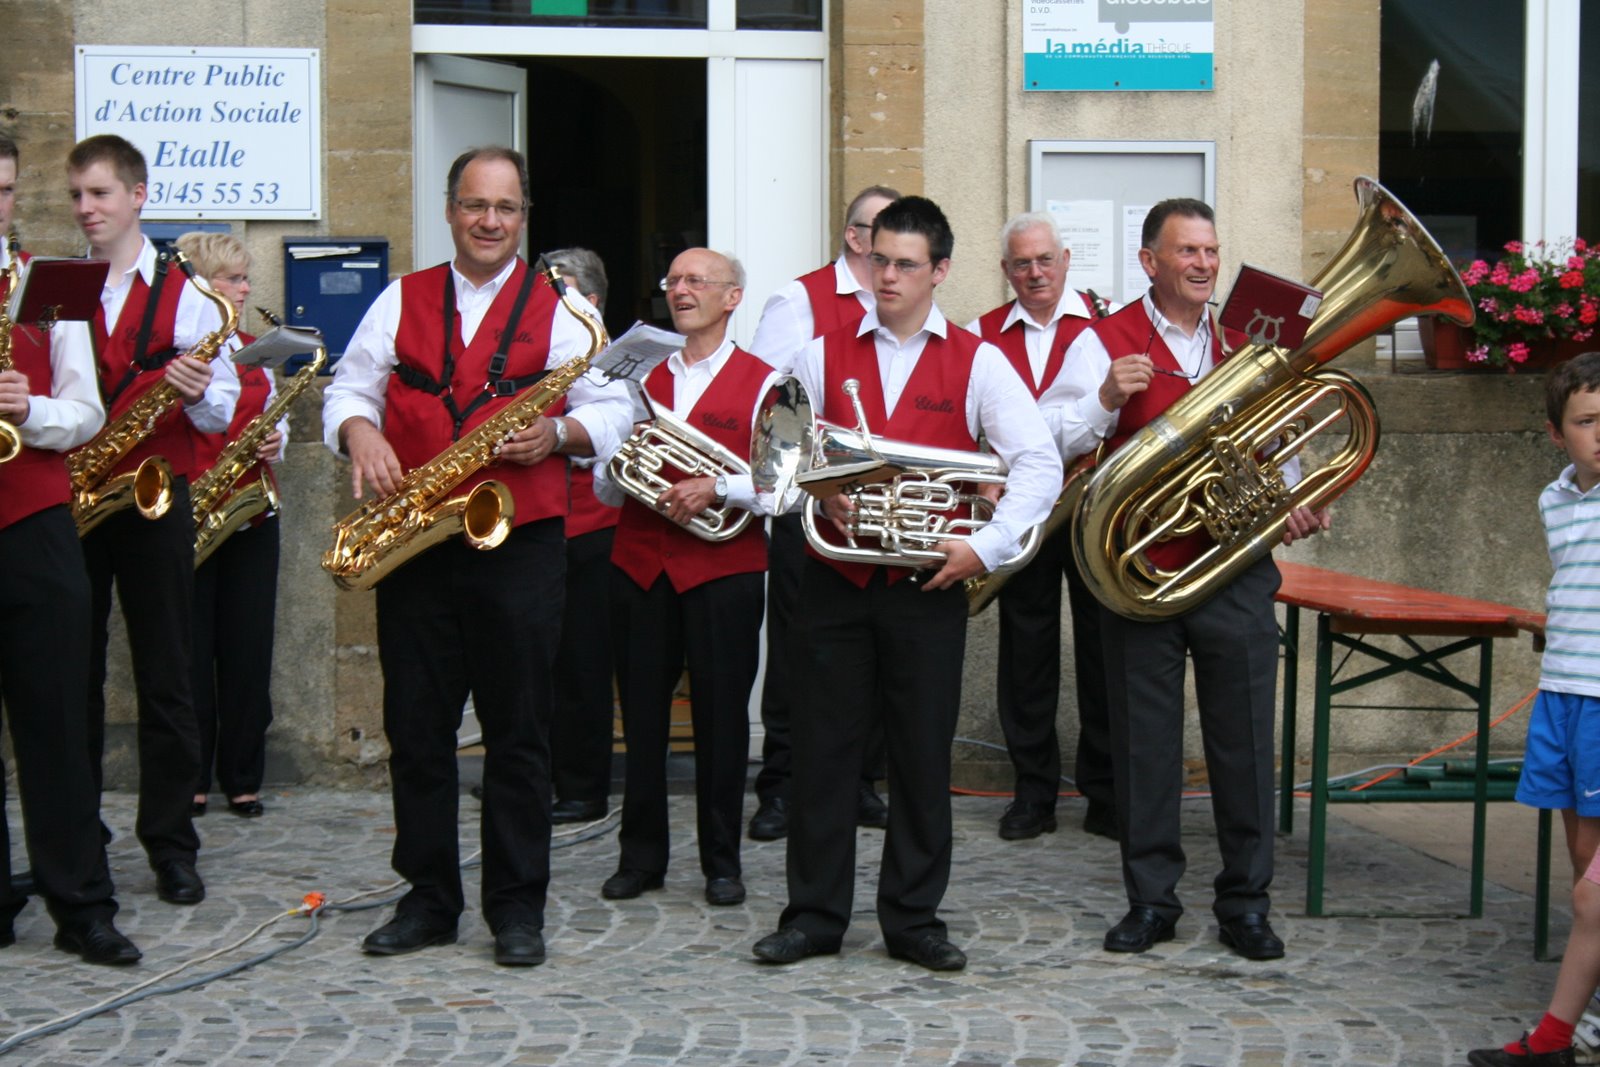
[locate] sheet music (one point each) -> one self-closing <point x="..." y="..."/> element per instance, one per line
<point x="637" y="352"/>
<point x="278" y="345"/>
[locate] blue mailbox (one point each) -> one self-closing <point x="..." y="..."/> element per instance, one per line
<point x="329" y="282"/>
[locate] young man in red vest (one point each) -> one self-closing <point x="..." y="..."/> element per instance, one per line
<point x="874" y="646"/>
<point x="49" y="397"/>
<point x="839" y="294"/>
<point x="1122" y="374"/>
<point x="1034" y="331"/>
<point x="149" y="318"/>
<point x="676" y="595"/>
<point x="440" y="351"/>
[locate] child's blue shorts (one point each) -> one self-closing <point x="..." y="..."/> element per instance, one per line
<point x="1561" y="767"/>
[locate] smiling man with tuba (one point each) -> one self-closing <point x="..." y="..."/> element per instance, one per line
<point x="442" y="352"/>
<point x="874" y="644"/>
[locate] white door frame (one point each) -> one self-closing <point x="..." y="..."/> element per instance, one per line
<point x="1550" y="121"/>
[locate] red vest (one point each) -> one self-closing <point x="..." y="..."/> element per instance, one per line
<point x="417" y="423"/>
<point x="35" y="479"/>
<point x="829" y="308"/>
<point x="585" y="513"/>
<point x="1124" y="333"/>
<point x="647" y="542"/>
<point x="174" y="436"/>
<point x="1013" y="342"/>
<point x="254" y="388"/>
<point x="932" y="409"/>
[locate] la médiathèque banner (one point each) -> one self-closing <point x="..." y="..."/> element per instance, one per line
<point x="1117" y="45"/>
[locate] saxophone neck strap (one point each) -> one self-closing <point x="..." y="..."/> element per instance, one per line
<point x="142" y="360"/>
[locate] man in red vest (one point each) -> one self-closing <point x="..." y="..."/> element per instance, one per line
<point x="440" y="351"/>
<point x="1034" y="331"/>
<point x="839" y="294"/>
<point x="1123" y="373"/>
<point x="876" y="647"/>
<point x="49" y="397"/>
<point x="149" y="318"/>
<point x="677" y="595"/>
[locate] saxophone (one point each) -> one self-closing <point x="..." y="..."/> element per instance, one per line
<point x="96" y="496"/>
<point x="10" y="439"/>
<point x="387" y="533"/>
<point x="220" y="508"/>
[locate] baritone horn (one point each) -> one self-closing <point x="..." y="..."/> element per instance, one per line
<point x="1212" y="463"/>
<point x="668" y="441"/>
<point x="907" y="497"/>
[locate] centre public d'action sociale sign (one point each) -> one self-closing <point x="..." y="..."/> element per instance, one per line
<point x="228" y="133"/>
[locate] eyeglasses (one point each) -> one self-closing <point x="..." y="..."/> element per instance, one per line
<point x="1158" y="318"/>
<point x="694" y="282"/>
<point x="1025" y="266"/>
<point x="901" y="266"/>
<point x="506" y="209"/>
<point x="859" y="226"/>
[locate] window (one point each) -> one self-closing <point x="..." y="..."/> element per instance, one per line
<point x="780" y="14"/>
<point x="669" y="14"/>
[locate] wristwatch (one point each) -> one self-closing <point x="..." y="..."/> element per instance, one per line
<point x="721" y="489"/>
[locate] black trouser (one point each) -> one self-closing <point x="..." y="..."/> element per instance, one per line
<point x="716" y="626"/>
<point x="44" y="671"/>
<point x="451" y="622"/>
<point x="236" y="596"/>
<point x="580" y="733"/>
<point x="1233" y="638"/>
<point x="152" y="564"/>
<point x="1028" y="677"/>
<point x="780" y="687"/>
<point x="889" y="655"/>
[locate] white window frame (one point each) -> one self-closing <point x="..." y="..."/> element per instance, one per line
<point x="1550" y="121"/>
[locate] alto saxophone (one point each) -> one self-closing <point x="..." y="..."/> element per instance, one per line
<point x="221" y="507"/>
<point x="10" y="439"/>
<point x="96" y="496"/>
<point x="387" y="533"/>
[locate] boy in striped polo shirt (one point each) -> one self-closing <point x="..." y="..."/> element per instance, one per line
<point x="1561" y="765"/>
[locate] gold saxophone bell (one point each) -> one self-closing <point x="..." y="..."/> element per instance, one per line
<point x="1211" y="464"/>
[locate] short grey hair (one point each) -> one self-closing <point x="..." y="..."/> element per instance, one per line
<point x="735" y="266"/>
<point x="583" y="267"/>
<point x="1028" y="220"/>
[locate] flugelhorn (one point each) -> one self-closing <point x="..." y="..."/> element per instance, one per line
<point x="10" y="439"/>
<point x="668" y="441"/>
<point x="1212" y="463"/>
<point x="908" y="497"/>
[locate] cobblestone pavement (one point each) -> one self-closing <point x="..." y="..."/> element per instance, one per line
<point x="664" y="979"/>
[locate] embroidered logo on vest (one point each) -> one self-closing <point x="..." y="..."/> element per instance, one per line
<point x="925" y="403"/>
<point x="711" y="421"/>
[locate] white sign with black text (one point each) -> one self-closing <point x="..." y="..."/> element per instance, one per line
<point x="228" y="133"/>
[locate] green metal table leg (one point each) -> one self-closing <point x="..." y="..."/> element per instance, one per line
<point x="1319" y="767"/>
<point x="1480" y="791"/>
<point x="1291" y="694"/>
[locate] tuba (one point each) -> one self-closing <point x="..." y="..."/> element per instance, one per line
<point x="386" y="533"/>
<point x="668" y="441"/>
<point x="10" y="439"/>
<point x="907" y="497"/>
<point x="1212" y="463"/>
<point x="96" y="495"/>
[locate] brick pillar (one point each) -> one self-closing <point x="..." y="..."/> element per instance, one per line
<point x="877" y="97"/>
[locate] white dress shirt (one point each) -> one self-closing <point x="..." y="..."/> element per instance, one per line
<point x="361" y="380"/>
<point x="1040" y="339"/>
<point x="787" y="323"/>
<point x="72" y="413"/>
<point x="998" y="406"/>
<point x="197" y="316"/>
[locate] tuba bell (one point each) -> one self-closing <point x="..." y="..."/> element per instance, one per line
<point x="668" y="441"/>
<point x="1212" y="463"/>
<point x="907" y="497"/>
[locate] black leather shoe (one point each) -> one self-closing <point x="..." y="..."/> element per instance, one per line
<point x="771" y="821"/>
<point x="8" y="936"/>
<point x="97" y="941"/>
<point x="722" y="892"/>
<point x="933" y="952"/>
<point x="871" y="812"/>
<point x="197" y="808"/>
<point x="1101" y="821"/>
<point x="407" y="933"/>
<point x="628" y="883"/>
<point x="788" y="945"/>
<point x="22" y="882"/>
<point x="1251" y="936"/>
<point x="1140" y="929"/>
<point x="1499" y="1057"/>
<point x="577" y="811"/>
<point x="177" y="882"/>
<point x="1024" y="819"/>
<point x="518" y="944"/>
<point x="247" y="809"/>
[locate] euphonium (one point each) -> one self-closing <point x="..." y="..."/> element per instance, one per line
<point x="386" y="533"/>
<point x="1212" y="462"/>
<point x="96" y="496"/>
<point x="668" y="441"/>
<point x="10" y="439"/>
<point x="907" y="497"/>
<point x="222" y="507"/>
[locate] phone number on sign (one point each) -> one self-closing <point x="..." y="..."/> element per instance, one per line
<point x="216" y="194"/>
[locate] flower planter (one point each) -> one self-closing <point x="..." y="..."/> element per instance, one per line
<point x="1445" y="346"/>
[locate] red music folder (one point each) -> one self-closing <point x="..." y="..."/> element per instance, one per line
<point x="55" y="289"/>
<point x="1270" y="309"/>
